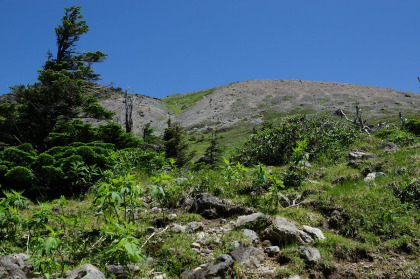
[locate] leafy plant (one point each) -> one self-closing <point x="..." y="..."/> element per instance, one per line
<point x="297" y="170"/>
<point x="123" y="246"/>
<point x="273" y="145"/>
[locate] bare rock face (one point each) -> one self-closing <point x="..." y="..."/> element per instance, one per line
<point x="248" y="256"/>
<point x="284" y="232"/>
<point x="221" y="267"/>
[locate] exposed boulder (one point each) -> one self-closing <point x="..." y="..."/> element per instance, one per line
<point x="211" y="207"/>
<point x="13" y="266"/>
<point x="314" y="232"/>
<point x="120" y="271"/>
<point x="309" y="254"/>
<point x="252" y="235"/>
<point x="272" y="250"/>
<point x="283" y="232"/>
<point x="248" y="256"/>
<point x="86" y="271"/>
<point x="256" y="221"/>
<point x="357" y="154"/>
<point x="176" y="228"/>
<point x="221" y="267"/>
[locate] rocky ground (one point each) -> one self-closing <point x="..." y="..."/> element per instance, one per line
<point x="259" y="254"/>
<point x="254" y="101"/>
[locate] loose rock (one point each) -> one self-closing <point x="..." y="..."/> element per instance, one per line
<point x="86" y="271"/>
<point x="253" y="236"/>
<point x="256" y="221"/>
<point x="248" y="256"/>
<point x="314" y="232"/>
<point x="221" y="267"/>
<point x="284" y="232"/>
<point x="272" y="251"/>
<point x="309" y="254"/>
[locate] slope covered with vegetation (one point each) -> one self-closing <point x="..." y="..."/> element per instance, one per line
<point x="308" y="196"/>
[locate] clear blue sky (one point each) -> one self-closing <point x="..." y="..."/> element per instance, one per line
<point x="163" y="47"/>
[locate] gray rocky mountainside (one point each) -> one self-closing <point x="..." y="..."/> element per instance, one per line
<point x="255" y="101"/>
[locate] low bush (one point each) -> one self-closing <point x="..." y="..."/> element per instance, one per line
<point x="273" y="145"/>
<point x="413" y="126"/>
<point x="397" y="136"/>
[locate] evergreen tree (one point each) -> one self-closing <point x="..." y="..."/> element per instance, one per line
<point x="148" y="136"/>
<point x="213" y="152"/>
<point x="176" y="144"/>
<point x="60" y="95"/>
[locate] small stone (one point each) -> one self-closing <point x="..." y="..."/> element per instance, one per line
<point x="177" y="228"/>
<point x="196" y="250"/>
<point x="314" y="232"/>
<point x="172" y="216"/>
<point x="236" y="244"/>
<point x="248" y="256"/>
<point x="160" y="276"/>
<point x="206" y="251"/>
<point x="309" y="254"/>
<point x="370" y="177"/>
<point x="155" y="210"/>
<point x="253" y="236"/>
<point x="272" y="251"/>
<point x="223" y="221"/>
<point x="195" y="245"/>
<point x="194" y="226"/>
<point x="266" y="243"/>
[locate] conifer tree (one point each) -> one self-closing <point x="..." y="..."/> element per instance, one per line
<point x="176" y="145"/>
<point x="213" y="152"/>
<point x="60" y="95"/>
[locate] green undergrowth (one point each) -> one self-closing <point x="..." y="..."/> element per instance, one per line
<point x="180" y="102"/>
<point x="314" y="185"/>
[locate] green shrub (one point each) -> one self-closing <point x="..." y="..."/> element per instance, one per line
<point x="18" y="157"/>
<point x="273" y="144"/>
<point x="397" y="136"/>
<point x="27" y="147"/>
<point x="413" y="126"/>
<point x="43" y="159"/>
<point x="113" y="133"/>
<point x="68" y="133"/>
<point x="20" y="177"/>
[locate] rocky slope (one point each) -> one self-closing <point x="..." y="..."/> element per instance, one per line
<point x="255" y="101"/>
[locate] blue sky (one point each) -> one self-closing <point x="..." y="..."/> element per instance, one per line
<point x="163" y="47"/>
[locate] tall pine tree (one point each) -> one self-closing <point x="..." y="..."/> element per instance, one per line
<point x="60" y="95"/>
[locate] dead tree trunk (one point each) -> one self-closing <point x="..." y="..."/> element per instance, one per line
<point x="128" y="112"/>
<point x="358" y="120"/>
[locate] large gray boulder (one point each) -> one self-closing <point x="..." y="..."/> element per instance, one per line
<point x="283" y="232"/>
<point x="86" y="271"/>
<point x="14" y="266"/>
<point x="256" y="221"/>
<point x="120" y="271"/>
<point x="209" y="206"/>
<point x="221" y="267"/>
<point x="248" y="256"/>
